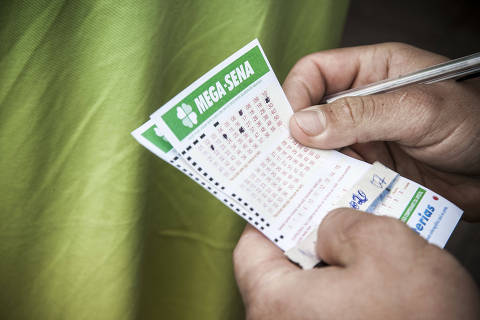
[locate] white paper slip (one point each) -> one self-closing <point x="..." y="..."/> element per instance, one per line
<point x="153" y="139"/>
<point x="229" y="132"/>
<point x="383" y="192"/>
<point x="243" y="144"/>
<point x="424" y="211"/>
<point x="370" y="190"/>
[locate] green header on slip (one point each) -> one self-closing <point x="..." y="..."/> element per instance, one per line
<point x="214" y="93"/>
<point x="158" y="140"/>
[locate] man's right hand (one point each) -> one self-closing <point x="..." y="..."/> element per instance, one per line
<point x="428" y="133"/>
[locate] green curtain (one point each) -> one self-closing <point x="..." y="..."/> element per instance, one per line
<point x="93" y="226"/>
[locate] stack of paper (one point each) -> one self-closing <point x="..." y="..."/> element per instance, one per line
<point x="228" y="131"/>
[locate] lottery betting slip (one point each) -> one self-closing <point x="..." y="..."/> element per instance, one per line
<point x="228" y="131"/>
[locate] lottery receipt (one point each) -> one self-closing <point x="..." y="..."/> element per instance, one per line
<point x="228" y="131"/>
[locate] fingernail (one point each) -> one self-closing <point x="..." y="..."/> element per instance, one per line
<point x="311" y="122"/>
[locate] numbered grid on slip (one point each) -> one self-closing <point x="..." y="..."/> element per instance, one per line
<point x="280" y="174"/>
<point x="230" y="144"/>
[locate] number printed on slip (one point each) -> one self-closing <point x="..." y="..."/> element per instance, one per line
<point x="228" y="131"/>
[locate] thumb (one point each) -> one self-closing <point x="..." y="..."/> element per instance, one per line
<point x="347" y="236"/>
<point x="394" y="116"/>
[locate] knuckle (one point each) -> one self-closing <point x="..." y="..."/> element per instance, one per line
<point x="296" y="72"/>
<point x="431" y="103"/>
<point x="302" y="63"/>
<point x="395" y="46"/>
<point x="306" y="59"/>
<point x="425" y="103"/>
<point x="355" y="110"/>
<point x="424" y="99"/>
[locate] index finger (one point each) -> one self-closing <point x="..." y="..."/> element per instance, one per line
<point x="255" y="256"/>
<point x="331" y="71"/>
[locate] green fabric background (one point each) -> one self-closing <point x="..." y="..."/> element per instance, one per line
<point x="93" y="226"/>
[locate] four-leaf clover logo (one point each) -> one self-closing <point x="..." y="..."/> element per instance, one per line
<point x="188" y="117"/>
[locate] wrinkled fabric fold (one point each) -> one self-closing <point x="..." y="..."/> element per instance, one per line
<point x="93" y="226"/>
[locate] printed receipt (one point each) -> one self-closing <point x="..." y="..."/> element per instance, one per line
<point x="228" y="131"/>
<point x="382" y="191"/>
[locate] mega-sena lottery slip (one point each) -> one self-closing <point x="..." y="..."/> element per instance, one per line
<point x="228" y="131"/>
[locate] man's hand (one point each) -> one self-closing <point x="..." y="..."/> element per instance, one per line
<point x="428" y="133"/>
<point x="379" y="269"/>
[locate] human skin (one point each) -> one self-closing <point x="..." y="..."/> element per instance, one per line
<point x="427" y="133"/>
<point x="378" y="267"/>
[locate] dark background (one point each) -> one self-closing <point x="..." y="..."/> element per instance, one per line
<point x="451" y="28"/>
